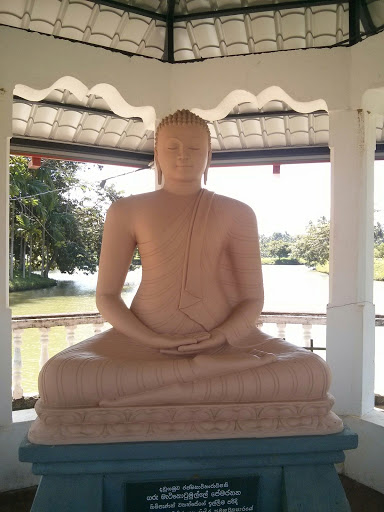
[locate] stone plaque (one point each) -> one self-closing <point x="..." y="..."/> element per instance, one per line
<point x="208" y="495"/>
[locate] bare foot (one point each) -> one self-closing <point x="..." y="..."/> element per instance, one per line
<point x="210" y="366"/>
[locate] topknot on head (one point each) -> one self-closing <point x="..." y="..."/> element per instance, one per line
<point x="181" y="117"/>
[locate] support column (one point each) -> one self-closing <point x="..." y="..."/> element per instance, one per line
<point x="350" y="312"/>
<point x="5" y="312"/>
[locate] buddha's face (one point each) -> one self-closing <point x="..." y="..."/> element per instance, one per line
<point x="182" y="152"/>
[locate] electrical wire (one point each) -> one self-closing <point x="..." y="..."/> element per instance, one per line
<point x="102" y="182"/>
<point x="42" y="193"/>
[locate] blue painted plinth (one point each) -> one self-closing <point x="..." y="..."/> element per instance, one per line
<point x="287" y="474"/>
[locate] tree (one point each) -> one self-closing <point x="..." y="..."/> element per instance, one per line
<point x="58" y="228"/>
<point x="279" y="249"/>
<point x="378" y="234"/>
<point x="313" y="247"/>
<point x="285" y="237"/>
<point x="23" y="190"/>
<point x="264" y="250"/>
<point x="83" y="228"/>
<point x="278" y="245"/>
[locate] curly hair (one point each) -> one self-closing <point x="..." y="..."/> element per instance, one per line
<point x="181" y="117"/>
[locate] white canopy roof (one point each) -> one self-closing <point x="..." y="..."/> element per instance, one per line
<point x="177" y="31"/>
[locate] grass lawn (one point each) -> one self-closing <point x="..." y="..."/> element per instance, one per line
<point x="378" y="269"/>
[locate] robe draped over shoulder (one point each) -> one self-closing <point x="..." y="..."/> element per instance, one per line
<point x="194" y="289"/>
<point x="192" y="293"/>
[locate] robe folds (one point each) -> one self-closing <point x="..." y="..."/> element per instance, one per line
<point x="195" y="272"/>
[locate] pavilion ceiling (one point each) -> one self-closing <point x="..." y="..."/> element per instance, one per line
<point x="178" y="31"/>
<point x="185" y="30"/>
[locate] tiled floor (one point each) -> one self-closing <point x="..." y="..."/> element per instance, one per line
<point x="361" y="498"/>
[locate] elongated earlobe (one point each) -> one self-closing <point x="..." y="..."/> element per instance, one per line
<point x="159" y="175"/>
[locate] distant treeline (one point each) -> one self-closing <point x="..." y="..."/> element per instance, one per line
<point x="311" y="248"/>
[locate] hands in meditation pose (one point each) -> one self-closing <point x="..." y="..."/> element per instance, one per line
<point x="190" y="335"/>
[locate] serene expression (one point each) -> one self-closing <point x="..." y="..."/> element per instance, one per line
<point x="182" y="152"/>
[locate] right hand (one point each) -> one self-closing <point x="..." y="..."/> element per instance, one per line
<point x="173" y="341"/>
<point x="215" y="341"/>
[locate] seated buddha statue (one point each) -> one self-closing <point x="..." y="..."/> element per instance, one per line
<point x="186" y="360"/>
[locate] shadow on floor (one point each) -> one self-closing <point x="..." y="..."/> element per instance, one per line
<point x="17" y="501"/>
<point x="360" y="497"/>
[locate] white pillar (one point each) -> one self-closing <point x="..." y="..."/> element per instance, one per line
<point x="281" y="330"/>
<point x="350" y="312"/>
<point x="307" y="333"/>
<point x="44" y="343"/>
<point x="17" y="369"/>
<point x="5" y="312"/>
<point x="70" y="332"/>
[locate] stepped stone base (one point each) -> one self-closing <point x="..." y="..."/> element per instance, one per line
<point x="161" y="423"/>
<point x="259" y="475"/>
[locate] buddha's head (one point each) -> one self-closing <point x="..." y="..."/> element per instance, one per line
<point x="183" y="147"/>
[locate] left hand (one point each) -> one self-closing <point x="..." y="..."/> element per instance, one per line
<point x="216" y="340"/>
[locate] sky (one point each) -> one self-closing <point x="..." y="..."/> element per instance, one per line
<point x="285" y="202"/>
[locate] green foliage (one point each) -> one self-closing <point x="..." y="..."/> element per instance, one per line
<point x="313" y="247"/>
<point x="33" y="282"/>
<point x="282" y="261"/>
<point x="50" y="225"/>
<point x="379" y="251"/>
<point x="279" y="249"/>
<point x="136" y="260"/>
<point x="268" y="261"/>
<point x="324" y="269"/>
<point x="379" y="269"/>
<point x="278" y="245"/>
<point x="378" y="234"/>
<point x="287" y="261"/>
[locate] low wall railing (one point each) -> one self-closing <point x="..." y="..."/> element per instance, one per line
<point x="44" y="323"/>
<point x="70" y="321"/>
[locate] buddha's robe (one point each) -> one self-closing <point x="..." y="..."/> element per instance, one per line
<point x="194" y="274"/>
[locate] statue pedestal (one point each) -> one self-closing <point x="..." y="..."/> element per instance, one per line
<point x="228" y="475"/>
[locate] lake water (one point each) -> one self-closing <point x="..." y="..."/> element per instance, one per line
<point x="287" y="289"/>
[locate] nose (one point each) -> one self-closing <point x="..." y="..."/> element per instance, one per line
<point x="183" y="151"/>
